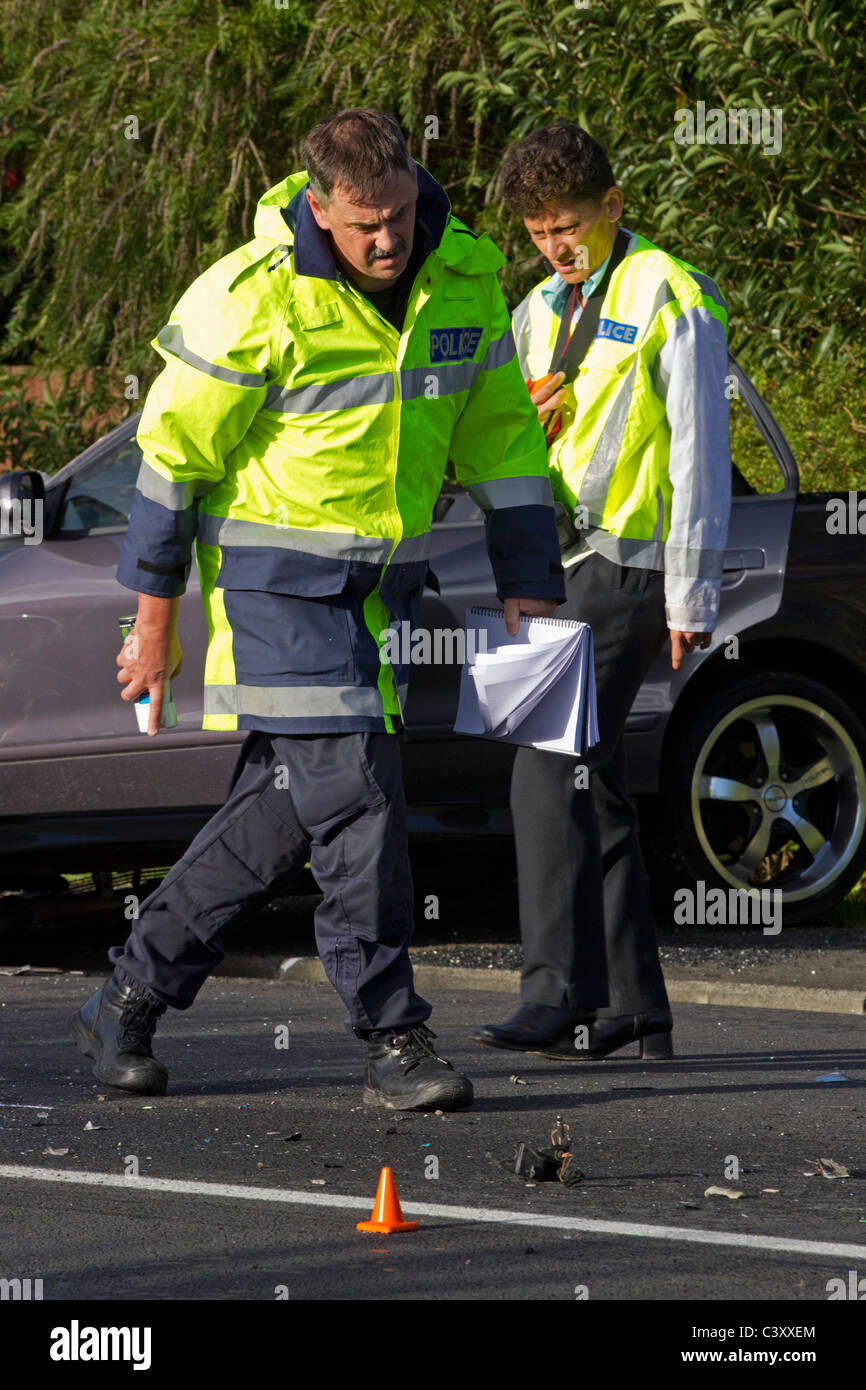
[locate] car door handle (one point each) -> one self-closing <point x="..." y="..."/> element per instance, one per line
<point x="744" y="560"/>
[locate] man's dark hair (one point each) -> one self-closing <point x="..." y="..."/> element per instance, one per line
<point x="559" y="163"/>
<point x="359" y="149"/>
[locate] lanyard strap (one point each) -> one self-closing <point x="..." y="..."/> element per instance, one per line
<point x="572" y="347"/>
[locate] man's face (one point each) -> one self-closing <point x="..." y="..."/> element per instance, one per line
<point x="372" y="241"/>
<point x="576" y="237"/>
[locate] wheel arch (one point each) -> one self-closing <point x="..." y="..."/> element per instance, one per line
<point x="762" y="657"/>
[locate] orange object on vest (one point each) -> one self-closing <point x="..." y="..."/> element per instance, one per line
<point x="554" y="425"/>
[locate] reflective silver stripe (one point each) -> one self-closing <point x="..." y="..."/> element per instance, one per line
<point x="411" y="549"/>
<point x="710" y="289"/>
<point x="375" y="389"/>
<point x="455" y="376"/>
<point x="340" y="545"/>
<point x="402" y="693"/>
<point x="437" y="381"/>
<point x="605" y="455"/>
<point x="512" y="492"/>
<point x="642" y="555"/>
<point x="171" y="338"/>
<point x="499" y="351"/>
<point x="521" y="327"/>
<point x="176" y="496"/>
<point x="693" y="564"/>
<point x="293" y="701"/>
<point x="653" y="555"/>
<point x="378" y="387"/>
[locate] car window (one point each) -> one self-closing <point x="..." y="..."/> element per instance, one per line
<point x="751" y="454"/>
<point x="100" y="493"/>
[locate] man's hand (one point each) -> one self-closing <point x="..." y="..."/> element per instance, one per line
<point x="150" y="655"/>
<point x="684" y="642"/>
<point x="535" y="607"/>
<point x="544" y="395"/>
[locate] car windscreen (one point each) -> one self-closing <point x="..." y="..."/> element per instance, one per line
<point x="99" y="494"/>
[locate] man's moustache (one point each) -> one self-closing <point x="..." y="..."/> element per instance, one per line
<point x="385" y="255"/>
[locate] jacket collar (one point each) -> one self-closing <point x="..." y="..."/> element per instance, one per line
<point x="312" y="246"/>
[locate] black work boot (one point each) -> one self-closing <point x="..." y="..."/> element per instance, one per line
<point x="115" y="1028"/>
<point x="404" y="1073"/>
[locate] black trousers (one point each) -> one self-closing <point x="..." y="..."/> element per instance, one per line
<point x="335" y="800"/>
<point x="585" y="912"/>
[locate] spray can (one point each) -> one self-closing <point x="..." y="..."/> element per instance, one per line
<point x="168" y="718"/>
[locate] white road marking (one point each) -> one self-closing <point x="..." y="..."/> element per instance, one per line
<point x="493" y="1215"/>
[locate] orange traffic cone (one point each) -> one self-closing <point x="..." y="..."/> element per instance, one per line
<point x="387" y="1216"/>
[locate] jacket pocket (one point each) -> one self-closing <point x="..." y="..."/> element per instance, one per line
<point x="290" y="616"/>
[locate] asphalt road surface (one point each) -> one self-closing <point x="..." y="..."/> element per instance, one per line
<point x="290" y="1159"/>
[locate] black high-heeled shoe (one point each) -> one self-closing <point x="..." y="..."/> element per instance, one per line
<point x="652" y="1030"/>
<point x="534" y="1026"/>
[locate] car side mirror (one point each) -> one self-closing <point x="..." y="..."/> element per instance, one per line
<point x="22" y="496"/>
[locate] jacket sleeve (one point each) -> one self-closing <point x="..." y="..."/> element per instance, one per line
<point x="500" y="456"/>
<point x="198" y="409"/>
<point x="690" y="375"/>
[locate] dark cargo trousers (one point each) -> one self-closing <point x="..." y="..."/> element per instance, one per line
<point x="586" y="917"/>
<point x="336" y="800"/>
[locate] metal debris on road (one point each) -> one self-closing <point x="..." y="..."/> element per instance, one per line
<point x="826" y="1168"/>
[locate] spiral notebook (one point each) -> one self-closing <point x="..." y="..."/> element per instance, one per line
<point x="536" y="688"/>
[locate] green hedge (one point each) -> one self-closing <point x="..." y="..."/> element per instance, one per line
<point x="105" y="232"/>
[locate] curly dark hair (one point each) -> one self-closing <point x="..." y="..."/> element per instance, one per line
<point x="558" y="163"/>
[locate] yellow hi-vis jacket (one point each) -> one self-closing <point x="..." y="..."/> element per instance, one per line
<point x="302" y="441"/>
<point x="642" y="461"/>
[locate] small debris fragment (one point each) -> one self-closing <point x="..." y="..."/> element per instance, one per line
<point x="692" y="1206"/>
<point x="91" y="1125"/>
<point x="833" y="1076"/>
<point x="731" y="1192"/>
<point x="57" y="1153"/>
<point x="826" y="1168"/>
<point x="318" y="1182"/>
<point x="290" y="1138"/>
<point x="102" y="1097"/>
<point x="517" y="1080"/>
<point x="769" y="1189"/>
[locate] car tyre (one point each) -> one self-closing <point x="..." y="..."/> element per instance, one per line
<point x="764" y="786"/>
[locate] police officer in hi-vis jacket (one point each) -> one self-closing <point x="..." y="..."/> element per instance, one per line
<point x="316" y="382"/>
<point x="625" y="354"/>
